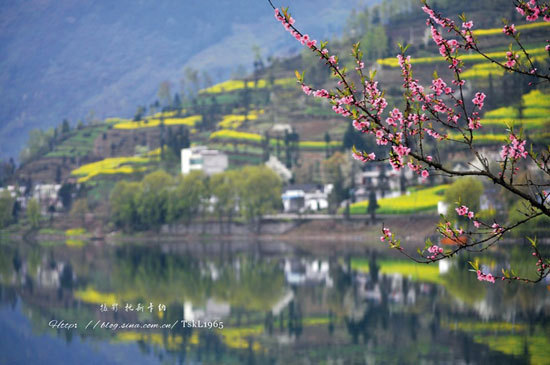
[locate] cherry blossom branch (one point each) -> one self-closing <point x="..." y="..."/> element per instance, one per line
<point x="428" y="115"/>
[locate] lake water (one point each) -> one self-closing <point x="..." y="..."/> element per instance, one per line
<point x="71" y="304"/>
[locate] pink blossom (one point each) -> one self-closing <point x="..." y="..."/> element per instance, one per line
<point x="401" y="150"/>
<point x="468" y="25"/>
<point x="497" y="229"/>
<point x="511" y="59"/>
<point x="515" y="149"/>
<point x="509" y="29"/>
<point x="478" y="100"/>
<point x="322" y="93"/>
<point x="520" y="10"/>
<point x="386" y="234"/>
<point x="485" y="277"/>
<point x="425" y="174"/>
<point x="360" y="126"/>
<point x="434" y="250"/>
<point x="473" y="123"/>
<point x="363" y="157"/>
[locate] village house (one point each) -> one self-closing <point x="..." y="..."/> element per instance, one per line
<point x="203" y="159"/>
<point x="305" y="197"/>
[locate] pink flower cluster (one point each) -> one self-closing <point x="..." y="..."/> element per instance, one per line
<point x="464" y="211"/>
<point x="363" y="157"/>
<point x="439" y="87"/>
<point x="542" y="265"/>
<point x="478" y="100"/>
<point x="437" y="18"/>
<point x="374" y="97"/>
<point x="304" y="39"/>
<point x="531" y="10"/>
<point x="511" y="59"/>
<point x="386" y="235"/>
<point x="434" y="250"/>
<point x="485" y="277"/>
<point x="514" y="150"/>
<point x="497" y="229"/>
<point x="468" y="25"/>
<point x="447" y="48"/>
<point x="360" y="124"/>
<point x="509" y="29"/>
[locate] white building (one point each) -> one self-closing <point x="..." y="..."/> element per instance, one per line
<point x="306" y="197"/>
<point x="203" y="159"/>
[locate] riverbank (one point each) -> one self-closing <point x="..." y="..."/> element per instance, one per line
<point x="318" y="232"/>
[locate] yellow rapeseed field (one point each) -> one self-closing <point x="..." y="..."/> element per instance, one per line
<point x="415" y="201"/>
<point x="113" y="165"/>
<point x="149" y="123"/>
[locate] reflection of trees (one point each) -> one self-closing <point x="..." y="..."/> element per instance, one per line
<point x="342" y="284"/>
<point x="400" y="330"/>
<point x="251" y="285"/>
<point x="147" y="275"/>
<point x="463" y="285"/>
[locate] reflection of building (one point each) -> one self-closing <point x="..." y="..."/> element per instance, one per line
<point x="212" y="310"/>
<point x="306" y="197"/>
<point x="202" y="159"/>
<point x="307" y="272"/>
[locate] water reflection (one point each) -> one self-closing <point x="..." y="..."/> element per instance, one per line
<point x="277" y="305"/>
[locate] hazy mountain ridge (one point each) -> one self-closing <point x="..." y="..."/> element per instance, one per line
<point x="62" y="59"/>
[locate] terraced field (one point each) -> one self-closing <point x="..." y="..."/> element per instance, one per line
<point x="414" y="202"/>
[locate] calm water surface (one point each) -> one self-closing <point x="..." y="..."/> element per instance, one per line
<point x="278" y="305"/>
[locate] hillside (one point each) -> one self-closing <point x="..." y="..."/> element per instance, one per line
<point x="90" y="60"/>
<point x="266" y="113"/>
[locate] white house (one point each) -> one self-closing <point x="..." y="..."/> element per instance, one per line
<point x="203" y="159"/>
<point x="305" y="197"/>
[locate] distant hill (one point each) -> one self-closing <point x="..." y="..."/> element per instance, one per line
<point x="63" y="59"/>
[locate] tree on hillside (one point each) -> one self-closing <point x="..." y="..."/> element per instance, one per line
<point x="65" y="127"/>
<point x="33" y="213"/>
<point x="6" y="208"/>
<point x="334" y="172"/>
<point x="80" y="209"/>
<point x="39" y="143"/>
<point x="65" y="195"/>
<point x="139" y="114"/>
<point x="7" y="169"/>
<point x="153" y="199"/>
<point x="188" y="198"/>
<point x="225" y="189"/>
<point x="164" y="93"/>
<point x="443" y="113"/>
<point x="124" y="205"/>
<point x="176" y="103"/>
<point x="260" y="193"/>
<point x="373" y="205"/>
<point x="327" y="144"/>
